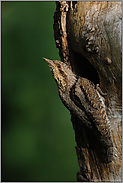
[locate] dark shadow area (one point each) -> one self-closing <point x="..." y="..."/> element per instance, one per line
<point x="84" y="68"/>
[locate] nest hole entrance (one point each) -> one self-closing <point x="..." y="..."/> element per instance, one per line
<point x="82" y="67"/>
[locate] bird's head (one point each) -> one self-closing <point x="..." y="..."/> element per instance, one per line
<point x="63" y="76"/>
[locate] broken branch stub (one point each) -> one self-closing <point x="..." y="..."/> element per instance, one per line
<point x="88" y="36"/>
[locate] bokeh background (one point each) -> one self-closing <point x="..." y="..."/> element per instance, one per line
<point x="38" y="141"/>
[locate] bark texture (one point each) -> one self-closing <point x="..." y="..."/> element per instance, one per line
<point x="88" y="36"/>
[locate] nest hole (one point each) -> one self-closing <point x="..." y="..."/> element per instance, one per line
<point x="82" y="67"/>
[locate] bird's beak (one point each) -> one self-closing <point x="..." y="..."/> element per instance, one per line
<point x="50" y="62"/>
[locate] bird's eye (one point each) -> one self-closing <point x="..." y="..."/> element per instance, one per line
<point x="59" y="66"/>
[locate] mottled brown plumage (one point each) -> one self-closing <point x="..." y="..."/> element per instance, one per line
<point x="84" y="101"/>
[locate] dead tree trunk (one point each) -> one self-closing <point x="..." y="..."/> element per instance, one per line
<point x="88" y="35"/>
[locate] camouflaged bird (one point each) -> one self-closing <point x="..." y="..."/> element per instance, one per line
<point x="82" y="99"/>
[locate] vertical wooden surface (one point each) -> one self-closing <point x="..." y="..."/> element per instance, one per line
<point x="88" y="36"/>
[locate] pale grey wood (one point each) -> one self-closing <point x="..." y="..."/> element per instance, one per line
<point x="87" y="30"/>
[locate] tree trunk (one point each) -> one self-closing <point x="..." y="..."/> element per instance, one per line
<point x="88" y="35"/>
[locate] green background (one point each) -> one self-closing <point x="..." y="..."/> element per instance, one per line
<point x="38" y="141"/>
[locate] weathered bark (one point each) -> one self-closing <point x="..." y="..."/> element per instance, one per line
<point x="88" y="35"/>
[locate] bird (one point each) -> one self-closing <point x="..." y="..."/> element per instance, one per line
<point x="81" y="97"/>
